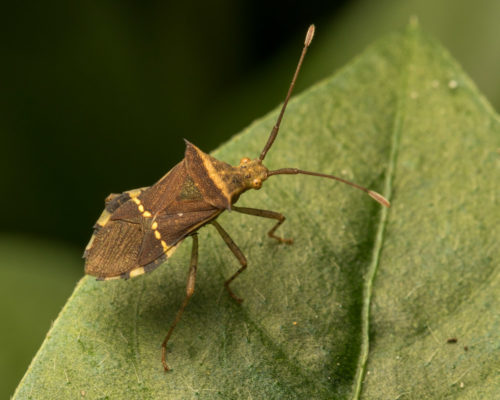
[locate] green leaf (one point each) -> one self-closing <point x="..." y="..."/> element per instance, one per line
<point x="37" y="278"/>
<point x="362" y="304"/>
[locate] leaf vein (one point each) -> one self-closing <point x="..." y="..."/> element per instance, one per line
<point x="384" y="215"/>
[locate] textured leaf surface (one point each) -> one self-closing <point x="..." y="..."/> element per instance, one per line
<point x="37" y="278"/>
<point x="364" y="301"/>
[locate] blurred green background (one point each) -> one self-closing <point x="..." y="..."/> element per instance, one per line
<point x="96" y="97"/>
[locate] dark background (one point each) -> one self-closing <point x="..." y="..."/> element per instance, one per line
<point x="96" y="96"/>
<point x="100" y="94"/>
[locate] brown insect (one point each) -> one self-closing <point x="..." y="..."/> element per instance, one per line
<point x="139" y="229"/>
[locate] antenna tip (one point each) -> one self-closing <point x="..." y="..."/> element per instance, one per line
<point x="309" y="35"/>
<point x="379" y="198"/>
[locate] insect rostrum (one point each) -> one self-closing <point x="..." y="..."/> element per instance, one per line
<point x="139" y="229"/>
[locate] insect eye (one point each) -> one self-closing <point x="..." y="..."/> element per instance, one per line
<point x="257" y="183"/>
<point x="247" y="176"/>
<point x="244" y="160"/>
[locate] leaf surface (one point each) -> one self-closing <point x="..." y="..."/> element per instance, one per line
<point x="362" y="304"/>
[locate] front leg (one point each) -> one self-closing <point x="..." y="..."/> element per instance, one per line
<point x="266" y="214"/>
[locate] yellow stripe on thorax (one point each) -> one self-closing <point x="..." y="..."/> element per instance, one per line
<point x="214" y="174"/>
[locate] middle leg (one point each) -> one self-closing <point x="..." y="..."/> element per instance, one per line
<point x="237" y="253"/>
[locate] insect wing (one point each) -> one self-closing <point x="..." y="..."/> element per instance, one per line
<point x="113" y="249"/>
<point x="170" y="228"/>
<point x="139" y="229"/>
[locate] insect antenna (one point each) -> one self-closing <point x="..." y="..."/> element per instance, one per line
<point x="274" y="132"/>
<point x="294" y="171"/>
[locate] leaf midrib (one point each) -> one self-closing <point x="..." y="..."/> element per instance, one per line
<point x="384" y="216"/>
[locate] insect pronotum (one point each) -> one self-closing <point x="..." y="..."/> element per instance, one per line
<point x="140" y="228"/>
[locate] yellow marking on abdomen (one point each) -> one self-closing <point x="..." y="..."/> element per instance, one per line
<point x="111" y="278"/>
<point x="89" y="245"/>
<point x="104" y="218"/>
<point x="134" y="193"/>
<point x="154" y="225"/>
<point x="136" y="272"/>
<point x="146" y="214"/>
<point x="157" y="235"/>
<point x="170" y="250"/>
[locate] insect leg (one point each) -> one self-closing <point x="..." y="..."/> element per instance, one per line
<point x="189" y="292"/>
<point x="237" y="253"/>
<point x="266" y="214"/>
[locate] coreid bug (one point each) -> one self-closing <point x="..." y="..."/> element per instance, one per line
<point x="140" y="228"/>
